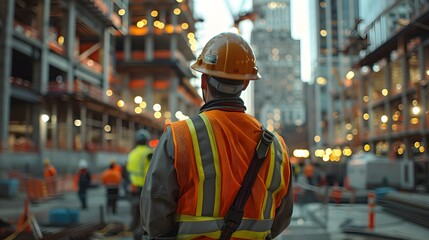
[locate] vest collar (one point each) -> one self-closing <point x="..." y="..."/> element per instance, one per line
<point x="233" y="104"/>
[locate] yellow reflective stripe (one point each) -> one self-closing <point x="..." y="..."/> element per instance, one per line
<point x="216" y="164"/>
<point x="189" y="218"/>
<point x="269" y="177"/>
<point x="245" y="234"/>
<point x="282" y="183"/>
<point x="199" y="166"/>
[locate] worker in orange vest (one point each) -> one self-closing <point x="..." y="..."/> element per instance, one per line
<point x="111" y="179"/>
<point x="50" y="173"/>
<point x="309" y="172"/>
<point x="117" y="166"/>
<point x="49" y="169"/>
<point x="199" y="164"/>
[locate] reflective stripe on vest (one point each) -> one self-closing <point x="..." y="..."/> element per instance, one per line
<point x="275" y="178"/>
<point x="206" y="221"/>
<point x="192" y="227"/>
<point x="207" y="160"/>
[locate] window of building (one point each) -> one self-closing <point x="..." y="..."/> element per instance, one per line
<point x="415" y="111"/>
<point x="413" y="65"/>
<point x="377" y="83"/>
<point x="397" y="79"/>
<point x="426" y="62"/>
<point x="380" y="120"/>
<point x="397" y="116"/>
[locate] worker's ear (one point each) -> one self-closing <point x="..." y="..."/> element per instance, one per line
<point x="204" y="81"/>
<point x="246" y="83"/>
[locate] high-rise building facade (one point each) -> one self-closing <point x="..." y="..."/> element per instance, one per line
<point x="392" y="76"/>
<point x="279" y="99"/>
<point x="331" y="118"/>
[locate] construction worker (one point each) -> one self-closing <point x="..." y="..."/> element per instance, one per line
<point x="84" y="182"/>
<point x="137" y="166"/>
<point x="50" y="173"/>
<point x="199" y="164"/>
<point x="309" y="171"/>
<point x="49" y="169"/>
<point x="117" y="166"/>
<point x="111" y="179"/>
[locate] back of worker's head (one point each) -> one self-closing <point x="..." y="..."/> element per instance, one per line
<point x="83" y="164"/>
<point x="46" y="162"/>
<point x="142" y="137"/>
<point x="228" y="61"/>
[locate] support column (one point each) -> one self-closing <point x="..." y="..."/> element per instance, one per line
<point x="54" y="125"/>
<point x="7" y="9"/>
<point x="173" y="97"/>
<point x="402" y="47"/>
<point x="127" y="48"/>
<point x="148" y="94"/>
<point x="69" y="131"/>
<point x="119" y="130"/>
<point x="35" y="124"/>
<point x="387" y="107"/>
<point x="106" y="63"/>
<point x="84" y="122"/>
<point x="318" y="115"/>
<point x="104" y="122"/>
<point x="421" y="89"/>
<point x="329" y="76"/>
<point x="173" y="39"/>
<point x="69" y="38"/>
<point x="43" y="131"/>
<point x="44" y="12"/>
<point x="149" y="42"/>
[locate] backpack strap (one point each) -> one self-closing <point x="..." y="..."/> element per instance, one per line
<point x="236" y="211"/>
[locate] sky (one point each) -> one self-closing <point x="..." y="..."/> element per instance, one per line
<point x="218" y="18"/>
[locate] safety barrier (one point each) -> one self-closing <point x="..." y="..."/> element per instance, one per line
<point x="39" y="189"/>
<point x="371" y="212"/>
<point x="312" y="201"/>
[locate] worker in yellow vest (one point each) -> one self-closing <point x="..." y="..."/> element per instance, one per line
<point x="199" y="165"/>
<point x="137" y="166"/>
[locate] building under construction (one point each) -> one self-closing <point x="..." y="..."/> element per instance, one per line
<point x="79" y="77"/>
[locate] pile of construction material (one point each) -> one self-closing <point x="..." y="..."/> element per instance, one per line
<point x="413" y="207"/>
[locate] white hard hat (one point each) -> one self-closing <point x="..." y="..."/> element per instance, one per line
<point x="83" y="164"/>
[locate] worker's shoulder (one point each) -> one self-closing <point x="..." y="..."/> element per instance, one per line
<point x="175" y="124"/>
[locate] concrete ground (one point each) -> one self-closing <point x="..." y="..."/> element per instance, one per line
<point x="310" y="221"/>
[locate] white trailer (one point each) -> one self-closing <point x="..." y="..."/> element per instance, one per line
<point x="366" y="171"/>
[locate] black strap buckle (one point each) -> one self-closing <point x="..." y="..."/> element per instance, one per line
<point x="266" y="139"/>
<point x="232" y="220"/>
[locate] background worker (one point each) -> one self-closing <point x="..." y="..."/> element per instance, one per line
<point x="50" y="174"/>
<point x="118" y="168"/>
<point x="309" y="171"/>
<point x="199" y="164"/>
<point x="84" y="182"/>
<point x="111" y="179"/>
<point x="137" y="165"/>
<point x="49" y="169"/>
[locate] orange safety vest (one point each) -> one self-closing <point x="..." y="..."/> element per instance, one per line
<point x="111" y="177"/>
<point x="308" y="170"/>
<point x="118" y="168"/>
<point x="212" y="154"/>
<point x="50" y="171"/>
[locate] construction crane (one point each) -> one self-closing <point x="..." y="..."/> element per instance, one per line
<point x="240" y="15"/>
